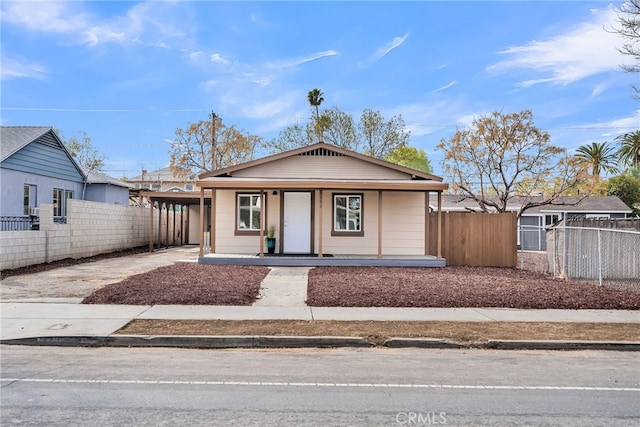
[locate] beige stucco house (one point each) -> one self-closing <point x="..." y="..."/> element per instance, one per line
<point x="322" y="200"/>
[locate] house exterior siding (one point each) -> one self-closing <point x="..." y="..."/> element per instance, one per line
<point x="319" y="167"/>
<point x="12" y="190"/>
<point x="403" y="221"/>
<point x="107" y="194"/>
<point x="42" y="158"/>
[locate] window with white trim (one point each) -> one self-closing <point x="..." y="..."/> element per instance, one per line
<point x="347" y="215"/>
<point x="249" y="210"/>
<point x="29" y="199"/>
<point x="60" y="198"/>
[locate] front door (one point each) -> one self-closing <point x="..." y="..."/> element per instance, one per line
<point x="296" y="236"/>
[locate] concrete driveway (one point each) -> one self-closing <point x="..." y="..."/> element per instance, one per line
<point x="71" y="284"/>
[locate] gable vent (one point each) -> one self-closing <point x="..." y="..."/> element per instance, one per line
<point x="48" y="140"/>
<point x="321" y="152"/>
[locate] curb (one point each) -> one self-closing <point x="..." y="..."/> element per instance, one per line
<point x="561" y="345"/>
<point x="422" y="343"/>
<point x="193" y="341"/>
<point x="265" y="341"/>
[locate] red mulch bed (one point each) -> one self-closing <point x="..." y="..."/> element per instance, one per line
<point x="187" y="284"/>
<point x="457" y="287"/>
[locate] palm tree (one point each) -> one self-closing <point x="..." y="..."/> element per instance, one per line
<point x="315" y="99"/>
<point x="599" y="157"/>
<point x="629" y="151"/>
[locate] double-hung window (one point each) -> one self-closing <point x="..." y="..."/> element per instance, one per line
<point x="249" y="211"/>
<point x="60" y="198"/>
<point x="29" y="199"/>
<point x="347" y="215"/>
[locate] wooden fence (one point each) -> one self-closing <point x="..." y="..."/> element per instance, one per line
<point x="476" y="239"/>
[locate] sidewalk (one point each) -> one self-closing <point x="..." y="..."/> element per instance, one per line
<point x="31" y="313"/>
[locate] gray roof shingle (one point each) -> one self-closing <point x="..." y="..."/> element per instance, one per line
<point x="13" y="138"/>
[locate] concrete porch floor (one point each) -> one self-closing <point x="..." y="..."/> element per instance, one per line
<point x="329" y="260"/>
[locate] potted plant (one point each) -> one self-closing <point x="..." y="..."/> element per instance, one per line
<point x="271" y="239"/>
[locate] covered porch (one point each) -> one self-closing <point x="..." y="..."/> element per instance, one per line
<point x="379" y="243"/>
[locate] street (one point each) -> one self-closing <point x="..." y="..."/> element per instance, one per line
<point x="57" y="386"/>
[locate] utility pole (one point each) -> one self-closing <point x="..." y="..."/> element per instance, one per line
<point x="213" y="140"/>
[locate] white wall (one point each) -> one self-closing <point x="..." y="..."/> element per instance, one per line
<point x="92" y="228"/>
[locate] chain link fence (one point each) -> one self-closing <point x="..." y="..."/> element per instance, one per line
<point x="604" y="256"/>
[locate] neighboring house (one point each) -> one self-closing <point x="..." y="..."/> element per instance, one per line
<point x="322" y="200"/>
<point x="105" y="189"/>
<point x="162" y="180"/>
<point x="534" y="221"/>
<point x="36" y="168"/>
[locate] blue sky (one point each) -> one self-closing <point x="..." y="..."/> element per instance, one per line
<point x="129" y="73"/>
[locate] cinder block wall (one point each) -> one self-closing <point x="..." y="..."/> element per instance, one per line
<point x="92" y="228"/>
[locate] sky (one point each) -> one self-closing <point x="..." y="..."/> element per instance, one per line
<point x="130" y="73"/>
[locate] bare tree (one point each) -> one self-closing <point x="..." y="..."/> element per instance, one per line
<point x="629" y="30"/>
<point x="209" y="145"/>
<point x="502" y="158"/>
<point x="83" y="151"/>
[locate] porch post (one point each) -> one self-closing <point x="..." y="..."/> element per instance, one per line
<point x="379" y="223"/>
<point x="201" y="236"/>
<point x="174" y="224"/>
<point x="427" y="223"/>
<point x="320" y="226"/>
<point x="166" y="228"/>
<point x="439" y="224"/>
<point x="212" y="244"/>
<point x="151" y="225"/>
<point x="263" y="212"/>
<point x="159" y="224"/>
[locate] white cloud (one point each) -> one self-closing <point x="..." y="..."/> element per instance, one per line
<point x="19" y="68"/>
<point x="219" y="59"/>
<point x="50" y="17"/>
<point x="619" y="126"/>
<point x="384" y="50"/>
<point x="447" y="86"/>
<point x="290" y="63"/>
<point x="582" y="51"/>
<point x="598" y="89"/>
<point x="150" y="21"/>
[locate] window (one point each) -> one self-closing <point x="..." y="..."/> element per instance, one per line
<point x="189" y="187"/>
<point x="347" y="215"/>
<point x="60" y="198"/>
<point x="155" y="187"/>
<point x="551" y="219"/>
<point x="248" y="213"/>
<point x="29" y="199"/>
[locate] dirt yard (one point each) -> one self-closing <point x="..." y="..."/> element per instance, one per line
<point x="378" y="332"/>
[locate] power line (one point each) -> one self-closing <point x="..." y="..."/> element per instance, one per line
<point x="104" y="110"/>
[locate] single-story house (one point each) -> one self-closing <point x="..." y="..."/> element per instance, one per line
<point x="36" y="168"/>
<point x="534" y="221"/>
<point x="106" y="189"/>
<point x="323" y="201"/>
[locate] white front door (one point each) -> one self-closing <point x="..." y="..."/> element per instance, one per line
<point x="296" y="237"/>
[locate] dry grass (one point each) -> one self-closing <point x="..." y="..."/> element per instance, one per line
<point x="378" y="331"/>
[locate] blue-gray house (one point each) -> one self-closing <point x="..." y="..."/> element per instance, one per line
<point x="36" y="168"/>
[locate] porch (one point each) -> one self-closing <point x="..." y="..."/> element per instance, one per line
<point x="312" y="260"/>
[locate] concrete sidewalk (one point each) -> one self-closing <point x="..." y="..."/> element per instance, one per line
<point x="29" y="320"/>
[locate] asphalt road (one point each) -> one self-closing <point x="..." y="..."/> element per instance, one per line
<point x="57" y="386"/>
